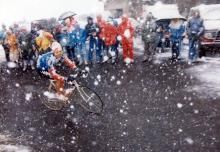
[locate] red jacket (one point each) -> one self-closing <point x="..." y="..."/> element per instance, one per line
<point x="101" y="23"/>
<point x="126" y="30"/>
<point x="110" y="33"/>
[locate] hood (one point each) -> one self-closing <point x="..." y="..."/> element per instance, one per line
<point x="212" y="24"/>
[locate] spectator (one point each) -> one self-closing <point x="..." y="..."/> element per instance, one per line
<point x="195" y="29"/>
<point x="176" y="30"/>
<point x="149" y="37"/>
<point x="109" y="35"/>
<point x="92" y="30"/>
<point x="13" y="46"/>
<point x="160" y="39"/>
<point x="27" y="47"/>
<point x="80" y="44"/>
<point x="101" y="45"/>
<point x="69" y="37"/>
<point x="4" y="43"/>
<point x="126" y="32"/>
<point x="44" y="41"/>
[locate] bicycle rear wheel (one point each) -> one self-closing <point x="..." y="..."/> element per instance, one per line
<point x="89" y="100"/>
<point x="51" y="101"/>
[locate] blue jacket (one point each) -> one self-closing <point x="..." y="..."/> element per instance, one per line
<point x="2" y="35"/>
<point x="80" y="36"/>
<point x="195" y="26"/>
<point x="67" y="39"/>
<point x="63" y="39"/>
<point x="47" y="61"/>
<point x="176" y="33"/>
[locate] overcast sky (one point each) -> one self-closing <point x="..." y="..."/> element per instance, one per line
<point x="16" y="10"/>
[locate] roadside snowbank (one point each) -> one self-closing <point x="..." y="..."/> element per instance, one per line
<point x="209" y="76"/>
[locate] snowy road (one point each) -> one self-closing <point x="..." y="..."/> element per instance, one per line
<point x="147" y="108"/>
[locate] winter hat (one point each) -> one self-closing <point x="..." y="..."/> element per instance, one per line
<point x="89" y="18"/>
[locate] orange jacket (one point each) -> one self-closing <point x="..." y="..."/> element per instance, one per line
<point x="44" y="41"/>
<point x="12" y="42"/>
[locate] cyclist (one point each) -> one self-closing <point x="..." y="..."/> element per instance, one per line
<point x="46" y="66"/>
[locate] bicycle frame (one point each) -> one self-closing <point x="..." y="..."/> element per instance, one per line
<point x="52" y="84"/>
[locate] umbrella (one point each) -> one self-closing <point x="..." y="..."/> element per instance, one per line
<point x="66" y="15"/>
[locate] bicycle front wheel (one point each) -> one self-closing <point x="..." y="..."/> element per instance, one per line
<point x="89" y="100"/>
<point x="50" y="101"/>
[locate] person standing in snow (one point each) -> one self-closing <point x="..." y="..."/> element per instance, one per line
<point x="101" y="38"/>
<point x="44" y="41"/>
<point x="27" y="46"/>
<point x="12" y="42"/>
<point x="4" y="43"/>
<point x="176" y="30"/>
<point x="126" y="33"/>
<point x="69" y="27"/>
<point x="110" y="34"/>
<point x="80" y="44"/>
<point x="160" y="38"/>
<point x="195" y="29"/>
<point x="92" y="30"/>
<point x="149" y="37"/>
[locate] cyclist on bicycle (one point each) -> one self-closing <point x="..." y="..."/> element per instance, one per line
<point x="46" y="63"/>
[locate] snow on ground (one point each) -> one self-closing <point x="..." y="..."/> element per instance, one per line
<point x="208" y="73"/>
<point x="14" y="148"/>
<point x="6" y="145"/>
<point x="160" y="57"/>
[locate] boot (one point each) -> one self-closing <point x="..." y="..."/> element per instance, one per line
<point x="32" y="65"/>
<point x="24" y="65"/>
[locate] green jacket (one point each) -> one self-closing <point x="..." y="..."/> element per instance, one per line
<point x="149" y="31"/>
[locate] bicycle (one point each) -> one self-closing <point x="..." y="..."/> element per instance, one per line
<point x="88" y="99"/>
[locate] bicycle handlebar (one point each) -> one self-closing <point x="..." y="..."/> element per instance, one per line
<point x="78" y="73"/>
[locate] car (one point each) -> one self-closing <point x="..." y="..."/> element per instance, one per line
<point x="210" y="41"/>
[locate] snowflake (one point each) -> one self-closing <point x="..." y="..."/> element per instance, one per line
<point x="99" y="77"/>
<point x="28" y="96"/>
<point x="96" y="83"/>
<point x="118" y="82"/>
<point x="112" y="78"/>
<point x="179" y="105"/>
<point x="196" y="111"/>
<point x="17" y="85"/>
<point x="189" y="140"/>
<point x="121" y="110"/>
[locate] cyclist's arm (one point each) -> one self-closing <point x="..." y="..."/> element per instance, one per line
<point x="69" y="63"/>
<point x="54" y="75"/>
<point x="52" y="70"/>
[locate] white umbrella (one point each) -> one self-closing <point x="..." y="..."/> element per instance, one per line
<point x="66" y="15"/>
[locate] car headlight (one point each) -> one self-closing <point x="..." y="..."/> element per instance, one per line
<point x="208" y="35"/>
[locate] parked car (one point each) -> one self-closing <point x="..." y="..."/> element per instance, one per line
<point x="210" y="40"/>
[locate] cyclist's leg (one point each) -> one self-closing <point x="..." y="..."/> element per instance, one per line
<point x="59" y="86"/>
